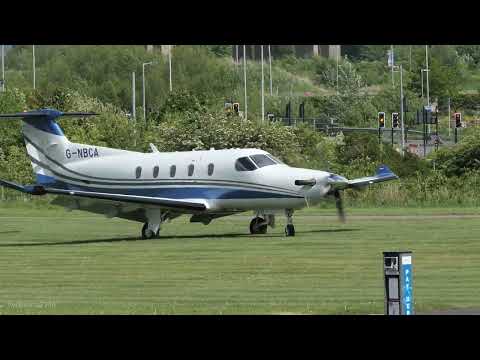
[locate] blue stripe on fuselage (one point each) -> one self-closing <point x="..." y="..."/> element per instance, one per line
<point x="180" y="192"/>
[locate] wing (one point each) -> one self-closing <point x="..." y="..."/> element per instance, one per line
<point x="383" y="173"/>
<point x="166" y="203"/>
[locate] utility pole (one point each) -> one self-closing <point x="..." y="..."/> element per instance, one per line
<point x="421" y="74"/>
<point x="170" y="64"/>
<point x="134" y="116"/>
<point x="410" y="58"/>
<point x="428" y="87"/>
<point x="33" y="59"/>
<point x="393" y="63"/>
<point x="245" y="78"/>
<point x="263" y="86"/>
<point x="236" y="54"/>
<point x="3" y="69"/>
<point x="133" y="96"/>
<point x="270" y="64"/>
<point x="338" y="55"/>
<point x="143" y="90"/>
<point x="449" y="119"/>
<point x="401" y="110"/>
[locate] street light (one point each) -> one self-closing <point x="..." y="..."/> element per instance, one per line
<point x="3" y="67"/>
<point x="33" y="59"/>
<point x="270" y="64"/>
<point x="397" y="68"/>
<point x="170" y="64"/>
<point x="263" y="87"/>
<point x="245" y="78"/>
<point x="143" y="88"/>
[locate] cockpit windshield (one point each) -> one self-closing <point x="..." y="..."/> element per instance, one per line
<point x="277" y="160"/>
<point x="254" y="162"/>
<point x="245" y="164"/>
<point x="262" y="160"/>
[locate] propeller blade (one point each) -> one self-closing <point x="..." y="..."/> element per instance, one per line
<point x="339" y="205"/>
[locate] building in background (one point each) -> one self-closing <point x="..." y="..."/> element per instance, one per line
<point x="305" y="51"/>
<point x="253" y="51"/>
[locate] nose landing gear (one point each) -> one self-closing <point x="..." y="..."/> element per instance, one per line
<point x="289" y="228"/>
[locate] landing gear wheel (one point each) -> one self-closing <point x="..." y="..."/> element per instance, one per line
<point x="289" y="230"/>
<point x="147" y="233"/>
<point x="256" y="228"/>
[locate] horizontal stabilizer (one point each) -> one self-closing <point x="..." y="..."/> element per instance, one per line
<point x="45" y="113"/>
<point x="28" y="189"/>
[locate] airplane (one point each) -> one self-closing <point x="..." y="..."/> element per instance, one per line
<point x="156" y="187"/>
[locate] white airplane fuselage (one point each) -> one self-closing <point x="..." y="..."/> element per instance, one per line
<point x="224" y="188"/>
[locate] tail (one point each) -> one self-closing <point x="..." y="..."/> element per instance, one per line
<point x="45" y="141"/>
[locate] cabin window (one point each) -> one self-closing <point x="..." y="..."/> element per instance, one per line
<point x="191" y="167"/>
<point x="138" y="172"/>
<point x="262" y="160"/>
<point x="155" y="171"/>
<point x="210" y="169"/>
<point x="245" y="164"/>
<point x="173" y="170"/>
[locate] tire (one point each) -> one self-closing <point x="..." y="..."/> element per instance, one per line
<point x="255" y="228"/>
<point x="289" y="230"/>
<point x="147" y="233"/>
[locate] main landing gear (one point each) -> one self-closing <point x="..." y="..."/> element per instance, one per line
<point x="148" y="233"/>
<point x="258" y="225"/>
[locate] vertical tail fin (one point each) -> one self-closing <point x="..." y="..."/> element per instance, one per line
<point x="44" y="139"/>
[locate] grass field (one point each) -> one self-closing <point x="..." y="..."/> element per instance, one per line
<point x="56" y="262"/>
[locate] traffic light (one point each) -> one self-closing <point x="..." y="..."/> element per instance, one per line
<point x="458" y="120"/>
<point x="288" y="113"/>
<point x="301" y="111"/>
<point x="394" y="120"/>
<point x="236" y="108"/>
<point x="381" y="119"/>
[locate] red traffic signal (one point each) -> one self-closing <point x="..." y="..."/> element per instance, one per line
<point x="381" y="119"/>
<point x="458" y="119"/>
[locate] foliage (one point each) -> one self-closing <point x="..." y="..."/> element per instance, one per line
<point x="463" y="158"/>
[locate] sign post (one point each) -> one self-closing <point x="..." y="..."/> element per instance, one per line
<point x="398" y="282"/>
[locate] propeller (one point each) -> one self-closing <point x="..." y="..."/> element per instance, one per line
<point x="339" y="205"/>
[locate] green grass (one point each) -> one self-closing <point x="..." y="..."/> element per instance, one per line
<point x="55" y="262"/>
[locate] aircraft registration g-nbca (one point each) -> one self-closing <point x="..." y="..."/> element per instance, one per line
<point x="155" y="187"/>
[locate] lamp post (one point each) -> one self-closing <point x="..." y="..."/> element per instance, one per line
<point x="402" y="109"/>
<point x="263" y="86"/>
<point x="338" y="54"/>
<point x="270" y="64"/>
<point x="428" y="84"/>
<point x="3" y="67"/>
<point x="143" y="89"/>
<point x="400" y="69"/>
<point x="393" y="63"/>
<point x="133" y="97"/>
<point x="245" y="78"/>
<point x="170" y="64"/>
<point x="33" y="59"/>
